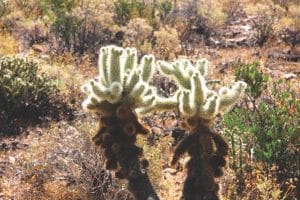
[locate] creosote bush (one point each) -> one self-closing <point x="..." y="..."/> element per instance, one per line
<point x="122" y="89"/>
<point x="23" y="91"/>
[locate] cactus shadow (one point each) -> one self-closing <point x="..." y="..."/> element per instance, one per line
<point x="16" y="124"/>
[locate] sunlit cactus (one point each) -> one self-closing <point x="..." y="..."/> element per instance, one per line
<point x="199" y="106"/>
<point x="121" y="80"/>
<point x="195" y="98"/>
<point x="121" y="87"/>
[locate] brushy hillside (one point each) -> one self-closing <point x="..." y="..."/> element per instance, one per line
<point x="50" y="48"/>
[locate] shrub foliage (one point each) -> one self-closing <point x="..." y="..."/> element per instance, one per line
<point x="268" y="124"/>
<point x="23" y="91"/>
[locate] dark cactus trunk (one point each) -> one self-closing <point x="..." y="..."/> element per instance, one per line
<point x="117" y="136"/>
<point x="208" y="151"/>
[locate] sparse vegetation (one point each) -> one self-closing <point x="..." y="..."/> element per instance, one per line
<point x="46" y="151"/>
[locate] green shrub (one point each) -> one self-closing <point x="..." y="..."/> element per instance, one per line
<point x="250" y="73"/>
<point x="122" y="11"/>
<point x="165" y="8"/>
<point x="269" y="124"/>
<point x="64" y="24"/>
<point x="79" y="27"/>
<point x="125" y="10"/>
<point x="23" y="92"/>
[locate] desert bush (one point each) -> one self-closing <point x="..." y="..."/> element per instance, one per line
<point x="9" y="22"/>
<point x="167" y="41"/>
<point x="122" y="11"/>
<point x="33" y="32"/>
<point x="80" y="28"/>
<point x="31" y="8"/>
<point x="23" y="91"/>
<point x="212" y="10"/>
<point x="263" y="27"/>
<point x="125" y="10"/>
<point x="282" y="3"/>
<point x="5" y="7"/>
<point x="26" y="32"/>
<point x="137" y="32"/>
<point x="269" y="125"/>
<point x="8" y="45"/>
<point x="231" y="9"/>
<point x="253" y="183"/>
<point x="188" y="22"/>
<point x="291" y="36"/>
<point x="252" y="75"/>
<point x="154" y="12"/>
<point x="165" y="8"/>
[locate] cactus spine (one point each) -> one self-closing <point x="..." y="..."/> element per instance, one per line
<point x="123" y="86"/>
<point x="199" y="106"/>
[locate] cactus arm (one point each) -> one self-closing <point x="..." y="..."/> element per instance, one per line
<point x="202" y="66"/>
<point x="165" y="104"/>
<point x="115" y="60"/>
<point x="90" y="104"/>
<point x="229" y="96"/>
<point x="144" y="111"/>
<point x="131" y="59"/>
<point x="147" y="66"/>
<point x="186" y="106"/>
<point x="198" y="89"/>
<point x="165" y="68"/>
<point x="211" y="108"/>
<point x="102" y="64"/>
<point x="115" y="92"/>
<point x="138" y="91"/>
<point x="180" y="75"/>
<point x="131" y="81"/>
<point x="99" y="91"/>
<point x="177" y="71"/>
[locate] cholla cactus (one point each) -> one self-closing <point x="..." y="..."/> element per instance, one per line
<point x="121" y="87"/>
<point x="196" y="100"/>
<point x="199" y="106"/>
<point x="121" y="80"/>
<point x="23" y="91"/>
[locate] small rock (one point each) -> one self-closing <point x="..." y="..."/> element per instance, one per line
<point x="289" y="76"/>
<point x="12" y="159"/>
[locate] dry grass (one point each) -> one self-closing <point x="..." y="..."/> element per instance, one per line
<point x="59" y="163"/>
<point x="8" y="45"/>
<point x="57" y="160"/>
